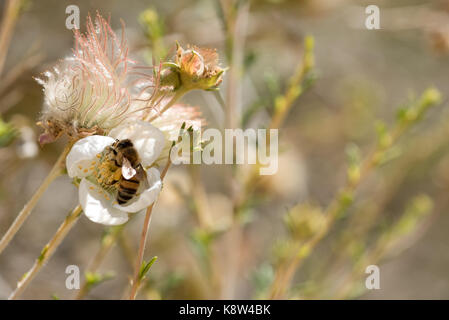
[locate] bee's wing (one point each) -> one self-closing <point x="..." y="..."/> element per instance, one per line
<point x="142" y="176"/>
<point x="127" y="170"/>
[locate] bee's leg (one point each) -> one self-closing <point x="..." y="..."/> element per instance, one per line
<point x="116" y="176"/>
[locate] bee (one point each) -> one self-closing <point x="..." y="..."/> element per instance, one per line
<point x="131" y="173"/>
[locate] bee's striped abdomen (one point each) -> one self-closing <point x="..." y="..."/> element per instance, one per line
<point x="127" y="189"/>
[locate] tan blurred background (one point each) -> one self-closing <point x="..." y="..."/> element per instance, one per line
<point x="363" y="75"/>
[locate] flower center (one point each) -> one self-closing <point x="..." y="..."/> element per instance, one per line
<point x="106" y="173"/>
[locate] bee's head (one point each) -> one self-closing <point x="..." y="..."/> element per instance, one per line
<point x="123" y="144"/>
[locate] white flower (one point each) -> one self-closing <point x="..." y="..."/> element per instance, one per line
<point x="83" y="161"/>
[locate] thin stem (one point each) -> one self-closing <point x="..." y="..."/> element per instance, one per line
<point x="11" y="13"/>
<point x="234" y="17"/>
<point x="47" y="251"/>
<point x="106" y="244"/>
<point x="23" y="215"/>
<point x="250" y="185"/>
<point x="15" y="72"/>
<point x="143" y="239"/>
<point x="205" y="222"/>
<point x="372" y="257"/>
<point x="282" y="106"/>
<point x="199" y="196"/>
<point x="284" y="274"/>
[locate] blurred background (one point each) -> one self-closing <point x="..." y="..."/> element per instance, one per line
<point x="360" y="76"/>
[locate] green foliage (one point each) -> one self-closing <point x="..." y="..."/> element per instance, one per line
<point x="146" y="267"/>
<point x="201" y="240"/>
<point x="282" y="250"/>
<point x="273" y="89"/>
<point x="261" y="279"/>
<point x="304" y="221"/>
<point x="410" y="114"/>
<point x="274" y="101"/>
<point x="301" y="80"/>
<point x="418" y="209"/>
<point x="384" y="138"/>
<point x="308" y="225"/>
<point x="7" y="133"/>
<point x="96" y="278"/>
<point x="153" y="28"/>
<point x="354" y="161"/>
<point x="171" y="280"/>
<point x="43" y="254"/>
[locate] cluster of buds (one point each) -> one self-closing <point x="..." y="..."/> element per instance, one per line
<point x="194" y="68"/>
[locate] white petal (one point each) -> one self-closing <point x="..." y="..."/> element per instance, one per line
<point x="83" y="153"/>
<point x="147" y="196"/>
<point x="147" y="139"/>
<point x="97" y="207"/>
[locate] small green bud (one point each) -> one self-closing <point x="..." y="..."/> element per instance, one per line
<point x="354" y="174"/>
<point x="431" y="97"/>
<point x="95" y="278"/>
<point x="43" y="253"/>
<point x="353" y="154"/>
<point x="346" y="199"/>
<point x="304" y="251"/>
<point x="7" y="133"/>
<point x="304" y="221"/>
<point x="384" y="139"/>
<point x="419" y="207"/>
<point x="146" y="267"/>
<point x="282" y="250"/>
<point x="309" y="43"/>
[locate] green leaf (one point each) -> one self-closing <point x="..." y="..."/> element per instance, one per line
<point x="263" y="277"/>
<point x="146" y="267"/>
<point x="384" y="139"/>
<point x="95" y="278"/>
<point x="353" y="154"/>
<point x="7" y="133"/>
<point x="43" y="253"/>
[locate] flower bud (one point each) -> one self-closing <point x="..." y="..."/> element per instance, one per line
<point x="194" y="68"/>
